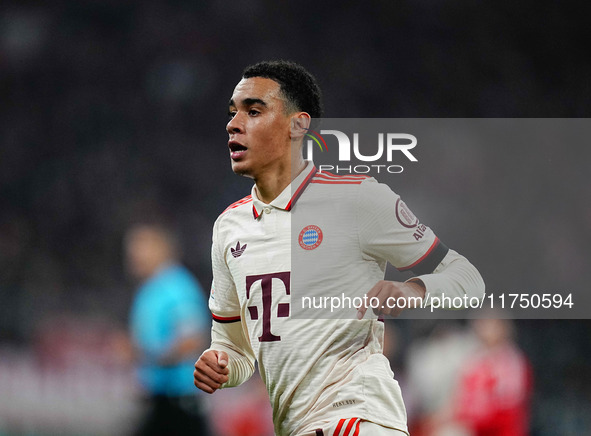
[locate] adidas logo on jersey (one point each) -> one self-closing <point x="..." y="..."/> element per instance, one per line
<point x="237" y="252"/>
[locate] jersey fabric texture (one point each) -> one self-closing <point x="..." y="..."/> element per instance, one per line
<point x="168" y="306"/>
<point x="317" y="369"/>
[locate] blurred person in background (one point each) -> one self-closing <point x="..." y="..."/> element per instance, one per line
<point x="493" y="396"/>
<point x="242" y="412"/>
<point x="169" y="324"/>
<point x="433" y="367"/>
<point x="479" y="378"/>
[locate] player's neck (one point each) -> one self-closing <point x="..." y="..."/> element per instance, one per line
<point x="272" y="183"/>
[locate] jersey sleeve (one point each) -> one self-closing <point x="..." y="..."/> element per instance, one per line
<point x="388" y="230"/>
<point x="227" y="332"/>
<point x="231" y="338"/>
<point x="455" y="276"/>
<point x="223" y="299"/>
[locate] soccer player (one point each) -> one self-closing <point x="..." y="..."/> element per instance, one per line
<point x="324" y="376"/>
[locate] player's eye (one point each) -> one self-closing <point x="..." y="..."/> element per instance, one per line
<point x="231" y="114"/>
<point x="253" y="112"/>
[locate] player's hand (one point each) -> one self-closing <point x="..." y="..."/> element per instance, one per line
<point x="384" y="293"/>
<point x="211" y="371"/>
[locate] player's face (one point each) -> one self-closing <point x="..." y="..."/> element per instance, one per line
<point x="259" y="129"/>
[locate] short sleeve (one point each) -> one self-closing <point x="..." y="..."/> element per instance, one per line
<point x="388" y="230"/>
<point x="223" y="299"/>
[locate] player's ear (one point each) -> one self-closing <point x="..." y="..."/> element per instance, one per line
<point x="300" y="123"/>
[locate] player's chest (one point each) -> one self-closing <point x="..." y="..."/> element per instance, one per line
<point x="258" y="246"/>
<point x="306" y="243"/>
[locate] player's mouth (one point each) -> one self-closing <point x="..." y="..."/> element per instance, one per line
<point x="237" y="150"/>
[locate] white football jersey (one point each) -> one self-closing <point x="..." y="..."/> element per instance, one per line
<point x="324" y="236"/>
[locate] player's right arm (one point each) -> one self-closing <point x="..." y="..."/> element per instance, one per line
<point x="211" y="371"/>
<point x="230" y="359"/>
<point x="228" y="362"/>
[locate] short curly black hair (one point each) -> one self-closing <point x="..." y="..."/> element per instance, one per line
<point x="298" y="86"/>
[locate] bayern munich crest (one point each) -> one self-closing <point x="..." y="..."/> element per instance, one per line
<point x="310" y="237"/>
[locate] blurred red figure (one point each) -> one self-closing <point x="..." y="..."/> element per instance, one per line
<point x="495" y="386"/>
<point x="242" y="412"/>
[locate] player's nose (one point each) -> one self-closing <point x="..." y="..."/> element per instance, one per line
<point x="235" y="125"/>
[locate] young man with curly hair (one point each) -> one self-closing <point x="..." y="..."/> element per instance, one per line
<point x="324" y="376"/>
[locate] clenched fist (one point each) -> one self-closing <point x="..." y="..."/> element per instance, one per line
<point x="211" y="371"/>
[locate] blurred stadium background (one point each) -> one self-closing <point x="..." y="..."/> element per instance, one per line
<point x="113" y="110"/>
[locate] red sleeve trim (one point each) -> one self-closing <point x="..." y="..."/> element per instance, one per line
<point x="225" y="319"/>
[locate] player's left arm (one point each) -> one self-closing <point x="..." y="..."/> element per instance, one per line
<point x="390" y="231"/>
<point x="454" y="276"/>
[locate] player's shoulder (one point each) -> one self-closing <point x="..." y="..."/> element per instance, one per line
<point x="235" y="213"/>
<point x="331" y="180"/>
<point x="348" y="184"/>
<point x="361" y="190"/>
<point x="240" y="205"/>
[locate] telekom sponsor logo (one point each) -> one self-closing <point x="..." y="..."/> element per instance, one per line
<point x="266" y="281"/>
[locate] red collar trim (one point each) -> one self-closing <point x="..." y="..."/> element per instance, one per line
<point x="297" y="194"/>
<point x="301" y="189"/>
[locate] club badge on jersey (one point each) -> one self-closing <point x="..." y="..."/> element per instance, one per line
<point x="310" y="237"/>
